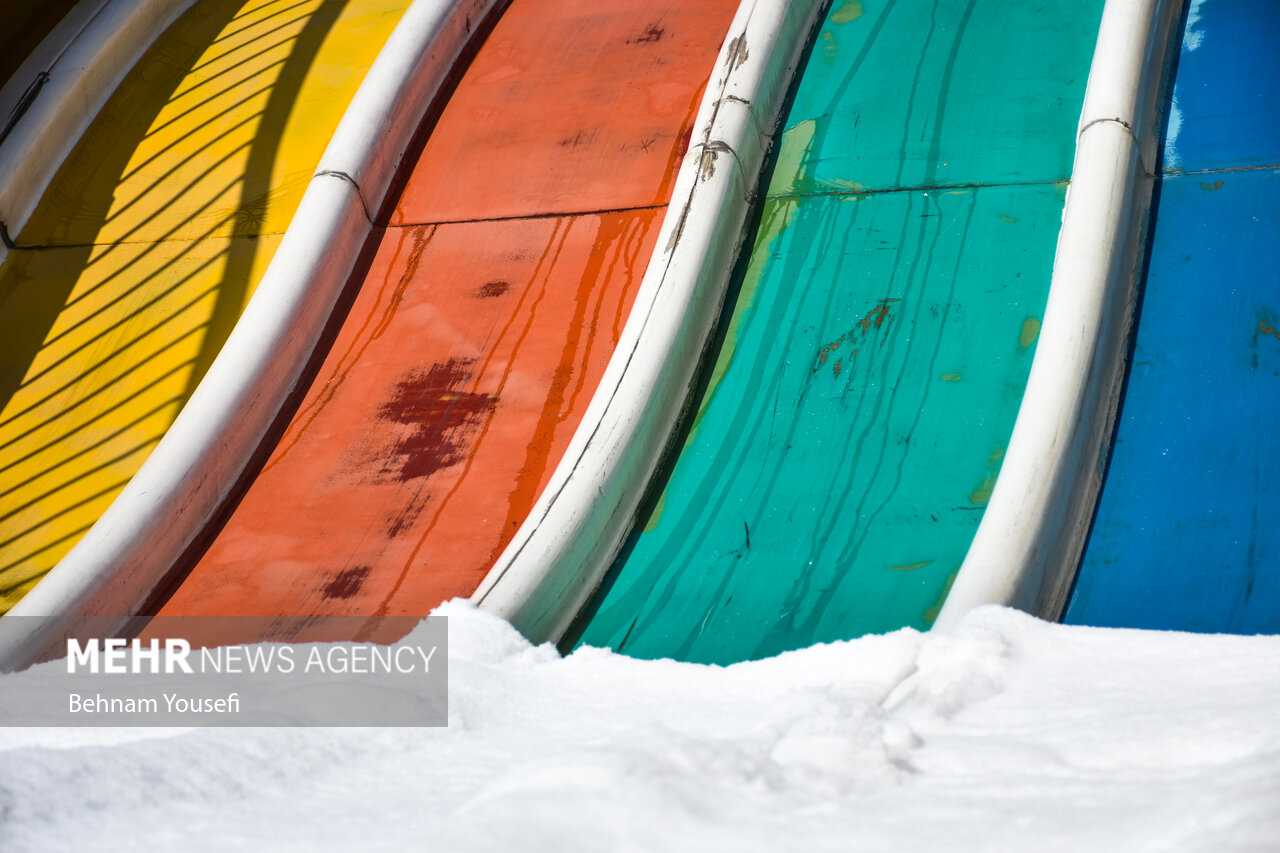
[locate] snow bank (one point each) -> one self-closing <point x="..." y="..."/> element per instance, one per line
<point x="1006" y="734"/>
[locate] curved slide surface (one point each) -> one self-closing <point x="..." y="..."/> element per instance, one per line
<point x="1185" y="535"/>
<point x="147" y="244"/>
<point x="870" y="370"/>
<point x="498" y="290"/>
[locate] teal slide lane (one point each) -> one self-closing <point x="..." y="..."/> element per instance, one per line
<point x="872" y="360"/>
<point x="1187" y="532"/>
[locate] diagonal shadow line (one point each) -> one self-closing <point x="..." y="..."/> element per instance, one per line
<point x="122" y="402"/>
<point x="176" y="197"/>
<point x="137" y="341"/>
<point x="190" y="245"/>
<point x="151" y="246"/>
<point x="124" y="321"/>
<point x="230" y="109"/>
<point x="261" y="20"/>
<point x="100" y="392"/>
<point x="224" y="86"/>
<point x="225" y="89"/>
<point x="85" y="449"/>
<point x="67" y="509"/>
<point x="262" y="159"/>
<point x="6" y="567"/>
<point x="232" y="50"/>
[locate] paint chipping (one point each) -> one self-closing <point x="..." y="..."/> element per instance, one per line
<point x="738" y="53"/>
<point x="441" y="418"/>
<point x="1210" y="187"/>
<point x="951" y="377"/>
<point x="908" y="567"/>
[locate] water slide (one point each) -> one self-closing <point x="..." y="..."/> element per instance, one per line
<point x="526" y="320"/>
<point x="497" y="291"/>
<point x="1185" y="536"/>
<point x="145" y="245"/>
<point x="870" y="367"/>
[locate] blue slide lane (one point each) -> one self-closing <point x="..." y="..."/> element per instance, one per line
<point x="1187" y="533"/>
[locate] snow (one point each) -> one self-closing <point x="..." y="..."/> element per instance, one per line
<point x="1008" y="734"/>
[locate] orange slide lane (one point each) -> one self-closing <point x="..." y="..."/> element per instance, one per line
<point x="493" y="303"/>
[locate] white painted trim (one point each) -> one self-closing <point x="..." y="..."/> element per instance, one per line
<point x="100" y="585"/>
<point x="87" y="56"/>
<point x="561" y="552"/>
<point x="48" y="53"/>
<point x="1032" y="535"/>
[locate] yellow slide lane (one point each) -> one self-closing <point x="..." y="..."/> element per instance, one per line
<point x="147" y="245"/>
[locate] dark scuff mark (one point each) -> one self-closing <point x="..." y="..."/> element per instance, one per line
<point x="579" y="139"/>
<point x="653" y="33"/>
<point x="738" y="52"/>
<point x="347" y="583"/>
<point x="492" y="289"/>
<point x="403" y="521"/>
<point x="440" y="414"/>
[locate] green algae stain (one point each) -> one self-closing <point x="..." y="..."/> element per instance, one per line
<point x="931" y="615"/>
<point x="982" y="495"/>
<point x="1030" y="331"/>
<point x="775" y="220"/>
<point x="850" y="11"/>
<point x="909" y="567"/>
<point x="793" y="156"/>
<point x="655" y="517"/>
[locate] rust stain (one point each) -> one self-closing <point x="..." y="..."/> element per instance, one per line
<point x="951" y="377"/>
<point x="1210" y="187"/>
<point x="441" y="416"/>
<point x="1266" y="329"/>
<point x="492" y="289"/>
<point x="347" y="583"/>
<point x="875" y="318"/>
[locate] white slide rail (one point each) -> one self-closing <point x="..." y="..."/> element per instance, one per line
<point x="99" y="587"/>
<point x="85" y="57"/>
<point x="560" y="554"/>
<point x="1029" y="543"/>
